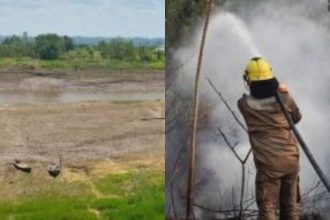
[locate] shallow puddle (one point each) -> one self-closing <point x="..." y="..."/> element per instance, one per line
<point x="18" y="96"/>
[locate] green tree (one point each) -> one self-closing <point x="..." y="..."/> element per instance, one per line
<point x="15" y="46"/>
<point x="68" y="43"/>
<point x="118" y="49"/>
<point x="25" y="36"/>
<point x="181" y="15"/>
<point x="102" y="47"/>
<point x="12" y="40"/>
<point x="147" y="53"/>
<point x="49" y="46"/>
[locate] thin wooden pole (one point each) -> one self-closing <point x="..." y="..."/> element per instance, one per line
<point x="192" y="152"/>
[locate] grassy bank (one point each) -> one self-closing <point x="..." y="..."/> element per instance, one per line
<point x="76" y="64"/>
<point x="128" y="195"/>
<point x="139" y="195"/>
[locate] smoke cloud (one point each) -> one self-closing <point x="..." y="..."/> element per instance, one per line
<point x="295" y="37"/>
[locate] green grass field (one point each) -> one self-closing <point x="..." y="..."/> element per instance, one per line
<point x="133" y="195"/>
<point x="76" y="64"/>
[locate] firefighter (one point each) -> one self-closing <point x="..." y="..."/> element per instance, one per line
<point x="274" y="146"/>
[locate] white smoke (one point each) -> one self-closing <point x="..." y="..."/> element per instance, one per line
<point x="295" y="37"/>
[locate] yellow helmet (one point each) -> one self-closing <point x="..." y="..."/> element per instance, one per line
<point x="258" y="69"/>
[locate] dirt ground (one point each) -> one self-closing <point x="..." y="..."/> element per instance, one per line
<point x="94" y="138"/>
<point x="119" y="81"/>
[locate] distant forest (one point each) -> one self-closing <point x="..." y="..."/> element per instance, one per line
<point x="53" y="47"/>
<point x="156" y="41"/>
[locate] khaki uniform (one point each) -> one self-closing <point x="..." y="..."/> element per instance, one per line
<point x="276" y="155"/>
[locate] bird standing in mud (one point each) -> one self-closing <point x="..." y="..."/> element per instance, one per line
<point x="55" y="169"/>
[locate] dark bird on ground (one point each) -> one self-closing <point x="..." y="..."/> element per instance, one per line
<point x="55" y="169"/>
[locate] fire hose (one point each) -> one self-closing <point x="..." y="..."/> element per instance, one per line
<point x="302" y="143"/>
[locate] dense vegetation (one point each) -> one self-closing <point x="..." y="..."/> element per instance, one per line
<point x="54" y="51"/>
<point x="180" y="17"/>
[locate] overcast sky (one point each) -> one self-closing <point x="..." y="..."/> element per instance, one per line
<point x="108" y="18"/>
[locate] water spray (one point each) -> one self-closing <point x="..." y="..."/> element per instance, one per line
<point x="238" y="28"/>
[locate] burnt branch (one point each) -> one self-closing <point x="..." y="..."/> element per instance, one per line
<point x="242" y="161"/>
<point x="227" y="105"/>
<point x="231" y="146"/>
<point x="232" y="113"/>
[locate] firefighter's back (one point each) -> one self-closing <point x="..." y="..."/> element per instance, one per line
<point x="275" y="147"/>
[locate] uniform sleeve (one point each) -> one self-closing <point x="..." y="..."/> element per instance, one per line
<point x="295" y="112"/>
<point x="240" y="104"/>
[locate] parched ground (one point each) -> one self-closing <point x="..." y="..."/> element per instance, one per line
<point x="118" y="81"/>
<point x="81" y="131"/>
<point x="105" y="148"/>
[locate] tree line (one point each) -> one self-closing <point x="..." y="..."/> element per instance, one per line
<point x="55" y="47"/>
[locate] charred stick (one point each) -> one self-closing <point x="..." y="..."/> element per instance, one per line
<point x="231" y="147"/>
<point x="231" y="111"/>
<point x="227" y="105"/>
